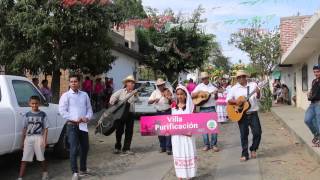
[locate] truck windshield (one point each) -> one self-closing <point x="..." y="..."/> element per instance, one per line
<point x="24" y="90"/>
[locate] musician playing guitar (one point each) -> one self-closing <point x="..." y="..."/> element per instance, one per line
<point x="208" y="106"/>
<point x="250" y="117"/>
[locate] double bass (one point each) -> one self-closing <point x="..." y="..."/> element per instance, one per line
<point x="108" y="120"/>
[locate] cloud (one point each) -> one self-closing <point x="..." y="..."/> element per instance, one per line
<point x="219" y="11"/>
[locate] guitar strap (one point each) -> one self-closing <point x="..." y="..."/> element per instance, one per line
<point x="248" y="91"/>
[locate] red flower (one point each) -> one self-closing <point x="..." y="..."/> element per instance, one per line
<point x="173" y="105"/>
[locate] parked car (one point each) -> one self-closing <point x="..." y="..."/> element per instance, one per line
<point x="15" y="92"/>
<point x="142" y="106"/>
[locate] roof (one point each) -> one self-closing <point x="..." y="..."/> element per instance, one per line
<point x="130" y="52"/>
<point x="119" y="46"/>
<point x="305" y="44"/>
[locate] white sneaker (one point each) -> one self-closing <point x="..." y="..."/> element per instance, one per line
<point x="19" y="179"/>
<point x="75" y="176"/>
<point x="45" y="176"/>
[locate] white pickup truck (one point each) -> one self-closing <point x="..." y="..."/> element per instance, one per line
<point x="15" y="92"/>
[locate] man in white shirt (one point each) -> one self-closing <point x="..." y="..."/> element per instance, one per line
<point x="208" y="106"/>
<point x="162" y="102"/>
<point x="75" y="107"/>
<point x="126" y="123"/>
<point x="250" y="118"/>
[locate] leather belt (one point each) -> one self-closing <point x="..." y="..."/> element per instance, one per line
<point x="164" y="110"/>
<point x="72" y="123"/>
<point x="251" y="112"/>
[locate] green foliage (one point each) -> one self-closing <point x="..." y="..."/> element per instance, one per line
<point x="177" y="49"/>
<point x="42" y="36"/>
<point x="266" y="100"/>
<point x="262" y="46"/>
<point x="123" y="10"/>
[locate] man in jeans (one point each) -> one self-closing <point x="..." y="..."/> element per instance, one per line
<point x="75" y="107"/>
<point x="208" y="106"/>
<point x="250" y="118"/>
<point x="162" y="102"/>
<point x="312" y="115"/>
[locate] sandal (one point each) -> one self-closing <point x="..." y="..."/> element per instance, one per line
<point x="317" y="144"/>
<point x="244" y="159"/>
<point x="253" y="154"/>
<point x="215" y="149"/>
<point x="315" y="140"/>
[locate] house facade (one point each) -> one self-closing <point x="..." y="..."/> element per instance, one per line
<point x="300" y="43"/>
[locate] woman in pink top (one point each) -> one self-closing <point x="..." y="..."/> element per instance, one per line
<point x="87" y="86"/>
<point x="221" y="103"/>
<point x="98" y="94"/>
<point x="191" y="85"/>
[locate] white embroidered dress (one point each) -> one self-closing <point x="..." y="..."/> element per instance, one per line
<point x="184" y="147"/>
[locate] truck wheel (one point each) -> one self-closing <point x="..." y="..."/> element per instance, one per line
<point x="61" y="149"/>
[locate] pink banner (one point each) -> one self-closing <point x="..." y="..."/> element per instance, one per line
<point x="182" y="124"/>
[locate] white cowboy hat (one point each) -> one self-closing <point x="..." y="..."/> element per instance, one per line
<point x="128" y="78"/>
<point x="241" y="73"/>
<point x="204" y="75"/>
<point x="160" y="82"/>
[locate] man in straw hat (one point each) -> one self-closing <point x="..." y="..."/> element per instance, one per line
<point x="251" y="118"/>
<point x="208" y="106"/>
<point x="127" y="122"/>
<point x="161" y="98"/>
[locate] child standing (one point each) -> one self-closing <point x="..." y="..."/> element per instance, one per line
<point x="184" y="146"/>
<point x="34" y="139"/>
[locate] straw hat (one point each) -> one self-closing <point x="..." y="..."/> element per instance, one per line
<point x="241" y="73"/>
<point x="160" y="82"/>
<point x="128" y="78"/>
<point x="204" y="75"/>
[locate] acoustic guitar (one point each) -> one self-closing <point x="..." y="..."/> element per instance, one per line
<point x="201" y="98"/>
<point x="235" y="112"/>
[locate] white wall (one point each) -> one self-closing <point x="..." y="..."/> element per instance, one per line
<point x="287" y="77"/>
<point x="122" y="67"/>
<point x="302" y="100"/>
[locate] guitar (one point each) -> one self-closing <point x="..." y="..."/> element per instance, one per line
<point x="236" y="111"/>
<point x="107" y="122"/>
<point x="201" y="98"/>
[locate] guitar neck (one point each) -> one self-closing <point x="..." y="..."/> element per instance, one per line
<point x="253" y="92"/>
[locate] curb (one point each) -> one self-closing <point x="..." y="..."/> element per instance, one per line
<point x="309" y="149"/>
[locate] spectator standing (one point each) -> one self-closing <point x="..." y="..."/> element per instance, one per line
<point x="75" y="108"/>
<point x="46" y="91"/>
<point x="87" y="86"/>
<point x="35" y="81"/>
<point x="191" y="85"/>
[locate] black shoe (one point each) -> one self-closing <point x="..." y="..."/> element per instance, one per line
<point x="162" y="150"/>
<point x="116" y="151"/>
<point x="169" y="152"/>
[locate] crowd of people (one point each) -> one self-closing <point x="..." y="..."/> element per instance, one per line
<point x="75" y="106"/>
<point x="280" y="93"/>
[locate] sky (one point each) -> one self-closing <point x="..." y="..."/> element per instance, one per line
<point x="227" y="16"/>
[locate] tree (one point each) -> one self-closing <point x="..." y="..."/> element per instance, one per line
<point x="262" y="46"/>
<point x="179" y="48"/>
<point x="49" y="36"/>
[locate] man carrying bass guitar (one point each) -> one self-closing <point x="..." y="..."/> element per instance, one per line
<point x="126" y="124"/>
<point x="250" y="118"/>
<point x="208" y="106"/>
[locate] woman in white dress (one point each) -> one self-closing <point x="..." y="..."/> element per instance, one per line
<point x="184" y="146"/>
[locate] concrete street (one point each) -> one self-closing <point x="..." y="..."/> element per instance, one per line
<point x="281" y="156"/>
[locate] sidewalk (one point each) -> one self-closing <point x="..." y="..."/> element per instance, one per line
<point x="293" y="119"/>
